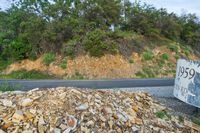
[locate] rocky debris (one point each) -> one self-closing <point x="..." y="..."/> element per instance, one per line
<point x="26" y="102"/>
<point x="66" y="110"/>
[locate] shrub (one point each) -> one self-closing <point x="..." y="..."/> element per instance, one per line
<point x="173" y="47"/>
<point x="69" y="48"/>
<point x="196" y="120"/>
<point x="161" y="114"/>
<point x="147" y="72"/>
<point x="4" y="64"/>
<point x="97" y="43"/>
<point x="24" y="74"/>
<point x="187" y="50"/>
<point x="147" y="55"/>
<point x="131" y="61"/>
<point x="48" y="58"/>
<point x="19" y="49"/>
<point x="180" y="118"/>
<point x="63" y="63"/>
<point x="165" y="56"/>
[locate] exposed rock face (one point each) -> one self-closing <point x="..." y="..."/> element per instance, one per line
<point x="83" y="110"/>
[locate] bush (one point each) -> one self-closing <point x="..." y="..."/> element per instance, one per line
<point x="165" y="56"/>
<point x="147" y="55"/>
<point x="97" y="43"/>
<point x="148" y="72"/>
<point x="24" y="74"/>
<point x="161" y="114"/>
<point x="18" y="49"/>
<point x="4" y="64"/>
<point x="48" y="58"/>
<point x="69" y="48"/>
<point x="173" y="47"/>
<point x="131" y="61"/>
<point x="63" y="63"/>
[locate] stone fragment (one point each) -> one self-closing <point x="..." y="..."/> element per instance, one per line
<point x="7" y="103"/>
<point x="68" y="130"/>
<point x="28" y="115"/>
<point x="7" y="125"/>
<point x="18" y="116"/>
<point x="119" y="130"/>
<point x="33" y="111"/>
<point x="1" y="131"/>
<point x="107" y="110"/>
<point x="63" y="126"/>
<point x="27" y="131"/>
<point x="71" y="122"/>
<point x="138" y="121"/>
<point x="134" y="129"/>
<point x="41" y="129"/>
<point x="85" y="129"/>
<point x="82" y="107"/>
<point x="57" y="130"/>
<point x="90" y="123"/>
<point x="102" y="118"/>
<point x="110" y="123"/>
<point x="41" y="121"/>
<point x="26" y="102"/>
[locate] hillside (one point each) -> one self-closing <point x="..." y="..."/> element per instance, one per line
<point x="93" y="39"/>
<point x="136" y="57"/>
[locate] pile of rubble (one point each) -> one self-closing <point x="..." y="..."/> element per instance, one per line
<point x="83" y="110"/>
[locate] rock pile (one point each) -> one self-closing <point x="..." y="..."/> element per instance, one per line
<point x="83" y="110"/>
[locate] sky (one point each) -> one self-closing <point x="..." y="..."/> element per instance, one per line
<point x="176" y="6"/>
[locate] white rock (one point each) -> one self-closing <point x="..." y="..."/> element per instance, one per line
<point x="27" y="131"/>
<point x="41" y="121"/>
<point x="82" y="107"/>
<point x="134" y="129"/>
<point x="18" y="116"/>
<point x="97" y="96"/>
<point x="7" y="103"/>
<point x="67" y="130"/>
<point x="1" y="131"/>
<point x="57" y="130"/>
<point x="108" y="110"/>
<point x="26" y="102"/>
<point x="90" y="123"/>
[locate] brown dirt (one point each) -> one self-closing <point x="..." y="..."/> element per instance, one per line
<point x="107" y="66"/>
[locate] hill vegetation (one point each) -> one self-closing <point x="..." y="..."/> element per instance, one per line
<point x="70" y="28"/>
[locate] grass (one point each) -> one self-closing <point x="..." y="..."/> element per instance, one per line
<point x="131" y="61"/>
<point x="7" y="87"/>
<point x="165" y="56"/>
<point x="147" y="72"/>
<point x="76" y="76"/>
<point x="180" y="118"/>
<point x="63" y="63"/>
<point x="24" y="74"/>
<point x="196" y="120"/>
<point x="173" y="47"/>
<point x="162" y="114"/>
<point x="48" y="58"/>
<point x="4" y="64"/>
<point x="147" y="55"/>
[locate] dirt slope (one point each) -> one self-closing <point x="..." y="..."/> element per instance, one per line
<point x="107" y="66"/>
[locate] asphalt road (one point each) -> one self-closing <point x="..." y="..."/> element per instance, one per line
<point x="116" y="83"/>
